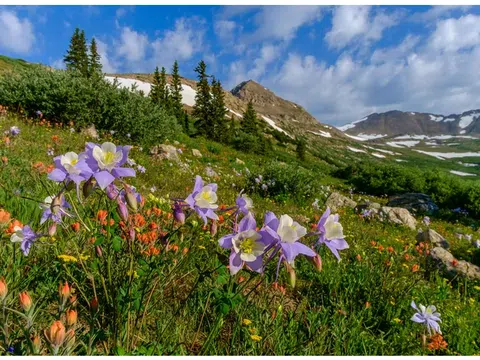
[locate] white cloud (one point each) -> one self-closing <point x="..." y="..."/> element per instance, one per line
<point x="224" y="28"/>
<point x="415" y="75"/>
<point x="58" y="64"/>
<point x="358" y="23"/>
<point x="282" y="22"/>
<point x="180" y="43"/>
<point x="16" y="34"/>
<point x="437" y="12"/>
<point x="132" y="46"/>
<point x="108" y="66"/>
<point x="452" y="35"/>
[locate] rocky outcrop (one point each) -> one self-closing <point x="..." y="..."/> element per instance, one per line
<point x="196" y="153"/>
<point x="433" y="237"/>
<point x="415" y="202"/>
<point x="336" y="201"/>
<point x="165" y="152"/>
<point x="399" y="216"/>
<point x="452" y="267"/>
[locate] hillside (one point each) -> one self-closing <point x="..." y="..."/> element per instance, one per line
<point x="10" y="64"/>
<point x="397" y="123"/>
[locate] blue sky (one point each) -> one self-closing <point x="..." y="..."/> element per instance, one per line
<point x="339" y="62"/>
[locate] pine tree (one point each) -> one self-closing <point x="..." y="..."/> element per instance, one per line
<point x="249" y="121"/>
<point x="177" y="106"/>
<point x="71" y="57"/>
<point x="95" y="67"/>
<point x="154" y="91"/>
<point x="186" y="123"/>
<point x="230" y="131"/>
<point x="83" y="54"/>
<point x="218" y="110"/>
<point x="76" y="57"/>
<point x="201" y="111"/>
<point x="301" y="148"/>
<point x="162" y="89"/>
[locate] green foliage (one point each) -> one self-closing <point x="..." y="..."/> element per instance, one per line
<point x="94" y="65"/>
<point x="65" y="96"/>
<point x="387" y="179"/>
<point x="76" y="57"/>
<point x="204" y="124"/>
<point x="301" y="148"/>
<point x="177" y="106"/>
<point x="285" y="181"/>
<point x="249" y="124"/>
<point x="249" y="143"/>
<point x="218" y="110"/>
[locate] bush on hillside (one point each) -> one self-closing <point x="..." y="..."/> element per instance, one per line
<point x="67" y="96"/>
<point x="382" y="179"/>
<point x="282" y="181"/>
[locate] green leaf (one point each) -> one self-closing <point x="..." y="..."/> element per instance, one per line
<point x="99" y="240"/>
<point x="117" y="243"/>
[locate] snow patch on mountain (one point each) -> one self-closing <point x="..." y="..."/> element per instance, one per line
<point x="351" y="125"/>
<point x="378" y="155"/>
<point x="465" y="121"/>
<point x="272" y="124"/>
<point x="449" y="155"/>
<point x="321" y="133"/>
<point x="400" y="144"/>
<point x="461" y="173"/>
<point x="356" y="150"/>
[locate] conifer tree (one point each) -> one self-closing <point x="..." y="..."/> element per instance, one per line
<point x="301" y="148"/>
<point x="154" y="91"/>
<point x="95" y="67"/>
<point x="162" y="89"/>
<point x="249" y="121"/>
<point x="218" y="110"/>
<point x="177" y="106"/>
<point x="186" y="123"/>
<point x="76" y="57"/>
<point x="83" y="54"/>
<point x="201" y="111"/>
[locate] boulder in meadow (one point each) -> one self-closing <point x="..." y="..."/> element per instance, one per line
<point x="196" y="153"/>
<point x="433" y="237"/>
<point x="399" y="216"/>
<point x="336" y="201"/>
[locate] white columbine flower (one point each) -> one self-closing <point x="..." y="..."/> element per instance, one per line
<point x="68" y="161"/>
<point x="17" y="236"/>
<point x="333" y="229"/>
<point x="248" y="245"/>
<point x="107" y="156"/>
<point x="206" y="198"/>
<point x="289" y="230"/>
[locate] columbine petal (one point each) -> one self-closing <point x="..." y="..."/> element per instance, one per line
<point x="104" y="178"/>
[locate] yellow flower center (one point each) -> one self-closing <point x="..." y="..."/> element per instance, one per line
<point x="247" y="246"/>
<point x="74" y="162"/>
<point x="109" y="157"/>
<point x="206" y="196"/>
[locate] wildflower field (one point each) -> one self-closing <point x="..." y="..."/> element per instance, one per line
<point x="107" y="250"/>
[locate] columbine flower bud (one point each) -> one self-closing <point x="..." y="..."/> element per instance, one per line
<point x="89" y="186"/>
<point x="37" y="344"/>
<point x="3" y="289"/>
<point x="71" y="317"/>
<point x="122" y="210"/>
<point x="70" y="186"/>
<point x="131" y="233"/>
<point x="178" y="214"/>
<point x="213" y="228"/>
<point x="111" y="191"/>
<point x="73" y="300"/>
<point x="52" y="229"/>
<point x="56" y="204"/>
<point x="64" y="292"/>
<point x="292" y="276"/>
<point x="25" y="301"/>
<point x="317" y="262"/>
<point x="98" y="250"/>
<point x="131" y="201"/>
<point x="94" y="304"/>
<point x="56" y="334"/>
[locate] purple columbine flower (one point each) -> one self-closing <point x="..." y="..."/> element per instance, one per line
<point x="141" y="169"/>
<point x="106" y="162"/>
<point x="14" y="130"/>
<point x="284" y="235"/>
<point x="54" y="208"/>
<point x="70" y="167"/>
<point x="203" y="199"/>
<point x="247" y="246"/>
<point x="366" y="213"/>
<point x="26" y="236"/>
<point x="331" y="233"/>
<point x="244" y="203"/>
<point x="427" y="316"/>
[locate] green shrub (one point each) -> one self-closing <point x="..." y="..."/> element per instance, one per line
<point x="64" y="96"/>
<point x="250" y="143"/>
<point x="282" y="181"/>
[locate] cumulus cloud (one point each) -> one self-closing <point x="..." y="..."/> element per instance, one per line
<point x="359" y="24"/>
<point x="224" y="29"/>
<point x="16" y="33"/>
<point x="132" y="45"/>
<point x="108" y="65"/>
<point x="452" y="35"/>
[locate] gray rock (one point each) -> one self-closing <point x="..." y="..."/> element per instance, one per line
<point x="210" y="172"/>
<point x="399" y="216"/>
<point x="336" y="201"/>
<point x="196" y="153"/>
<point x="367" y="205"/>
<point x="166" y="152"/>
<point x="433" y="237"/>
<point x="445" y="261"/>
<point x="415" y="202"/>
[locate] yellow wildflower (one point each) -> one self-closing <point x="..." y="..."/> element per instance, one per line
<point x="472" y="300"/>
<point x="67" y="258"/>
<point x="134" y="272"/>
<point x="255" y="337"/>
<point x="397" y="320"/>
<point x="201" y="247"/>
<point x="252" y="331"/>
<point x="84" y="257"/>
<point x="246" y="322"/>
<point x="476" y="287"/>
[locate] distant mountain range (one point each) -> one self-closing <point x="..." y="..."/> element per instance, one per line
<point x="398" y="123"/>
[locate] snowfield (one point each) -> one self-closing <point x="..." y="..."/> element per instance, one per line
<point x="321" y="133"/>
<point x="465" y="121"/>
<point x="436" y="118"/>
<point x="461" y="173"/>
<point x="446" y="155"/>
<point x="272" y="124"/>
<point x="401" y="144"/>
<point x="356" y="150"/>
<point x="378" y="155"/>
<point x="188" y="93"/>
<point x="351" y="125"/>
<point x="235" y="113"/>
